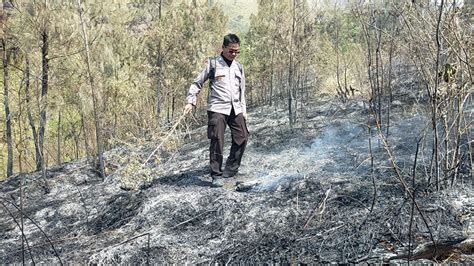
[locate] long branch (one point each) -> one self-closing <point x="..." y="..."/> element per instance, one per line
<point x="399" y="176"/>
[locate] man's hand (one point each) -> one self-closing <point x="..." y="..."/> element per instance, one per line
<point x="245" y="115"/>
<point x="188" y="108"/>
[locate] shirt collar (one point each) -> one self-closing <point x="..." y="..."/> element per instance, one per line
<point x="229" y="62"/>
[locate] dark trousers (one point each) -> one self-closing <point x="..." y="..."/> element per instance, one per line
<point x="215" y="132"/>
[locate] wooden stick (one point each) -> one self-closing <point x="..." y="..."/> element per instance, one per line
<point x="321" y="206"/>
<point x="193" y="218"/>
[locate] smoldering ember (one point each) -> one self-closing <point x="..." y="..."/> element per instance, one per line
<point x="310" y="193"/>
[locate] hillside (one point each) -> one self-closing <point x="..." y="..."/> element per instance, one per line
<point x="310" y="199"/>
<point x="239" y="12"/>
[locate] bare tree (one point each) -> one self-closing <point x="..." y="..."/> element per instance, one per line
<point x="29" y="112"/>
<point x="98" y="128"/>
<point x="8" y="127"/>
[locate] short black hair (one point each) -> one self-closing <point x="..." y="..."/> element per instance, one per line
<point x="230" y="38"/>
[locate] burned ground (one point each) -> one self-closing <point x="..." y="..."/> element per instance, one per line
<point x="312" y="198"/>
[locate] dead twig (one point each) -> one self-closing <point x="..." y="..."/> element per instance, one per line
<point x="413" y="201"/>
<point x="22" y="224"/>
<point x="321" y="207"/>
<point x="372" y="166"/>
<point x="320" y="234"/>
<point x="148" y="233"/>
<point x="46" y="243"/>
<point x="194" y="218"/>
<point x="133" y="238"/>
<point x="148" y="250"/>
<point x="364" y="258"/>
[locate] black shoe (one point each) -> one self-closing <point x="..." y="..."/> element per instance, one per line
<point x="229" y="174"/>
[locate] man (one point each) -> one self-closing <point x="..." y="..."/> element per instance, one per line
<point x="226" y="105"/>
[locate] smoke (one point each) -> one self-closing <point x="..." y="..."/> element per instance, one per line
<point x="320" y="159"/>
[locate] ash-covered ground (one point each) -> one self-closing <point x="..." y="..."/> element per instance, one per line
<point x="313" y="197"/>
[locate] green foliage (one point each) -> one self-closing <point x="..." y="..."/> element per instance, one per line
<point x="290" y="49"/>
<point x="340" y="48"/>
<point x="178" y="43"/>
<point x="280" y="49"/>
<point x="124" y="47"/>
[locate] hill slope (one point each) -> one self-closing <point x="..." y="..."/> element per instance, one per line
<point x="310" y="201"/>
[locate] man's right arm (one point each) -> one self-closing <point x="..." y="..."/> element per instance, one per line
<point x="196" y="86"/>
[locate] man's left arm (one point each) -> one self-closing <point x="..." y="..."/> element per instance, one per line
<point x="243" y="102"/>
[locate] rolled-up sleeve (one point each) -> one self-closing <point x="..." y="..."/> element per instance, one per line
<point x="196" y="86"/>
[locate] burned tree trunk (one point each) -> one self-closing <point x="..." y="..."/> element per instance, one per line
<point x="40" y="164"/>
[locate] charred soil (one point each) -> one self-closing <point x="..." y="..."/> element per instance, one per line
<point x="311" y="199"/>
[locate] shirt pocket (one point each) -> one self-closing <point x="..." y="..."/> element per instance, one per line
<point x="220" y="75"/>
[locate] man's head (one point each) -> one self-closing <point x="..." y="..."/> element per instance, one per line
<point x="231" y="46"/>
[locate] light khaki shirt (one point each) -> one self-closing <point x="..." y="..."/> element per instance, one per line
<point x="226" y="92"/>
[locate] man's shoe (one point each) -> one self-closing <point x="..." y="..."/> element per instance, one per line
<point x="229" y="174"/>
<point x="217" y="182"/>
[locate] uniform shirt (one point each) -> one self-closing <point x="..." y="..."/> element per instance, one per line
<point x="226" y="92"/>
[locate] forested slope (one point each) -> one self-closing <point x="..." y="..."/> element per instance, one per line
<point x="360" y="120"/>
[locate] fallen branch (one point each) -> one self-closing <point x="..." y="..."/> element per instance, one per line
<point x="440" y="249"/>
